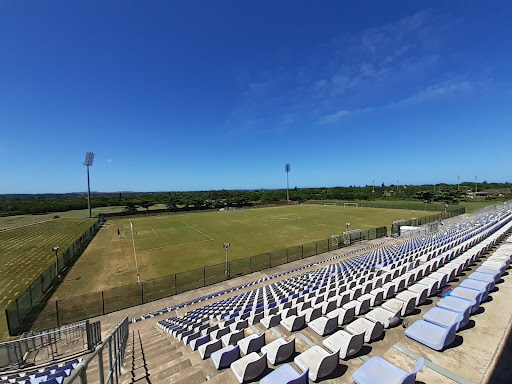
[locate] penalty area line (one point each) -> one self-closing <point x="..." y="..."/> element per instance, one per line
<point x="204" y="234"/>
<point x="174" y="245"/>
<point x="156" y="234"/>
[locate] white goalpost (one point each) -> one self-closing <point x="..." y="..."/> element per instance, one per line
<point x="329" y="204"/>
<point x="336" y="240"/>
<point x="351" y="205"/>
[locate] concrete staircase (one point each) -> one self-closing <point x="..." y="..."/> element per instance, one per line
<point x="160" y="358"/>
<point x="152" y="356"/>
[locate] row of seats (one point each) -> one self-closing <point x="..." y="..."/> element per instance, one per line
<point x="440" y="324"/>
<point x="245" y="285"/>
<point x="53" y="374"/>
<point x="323" y="308"/>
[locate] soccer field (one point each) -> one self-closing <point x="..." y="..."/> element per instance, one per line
<point x="169" y="244"/>
<point x="26" y="252"/>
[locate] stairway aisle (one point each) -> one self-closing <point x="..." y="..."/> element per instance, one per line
<point x="153" y="357"/>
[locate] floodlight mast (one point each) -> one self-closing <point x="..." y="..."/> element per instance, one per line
<point x="89" y="160"/>
<point x="287" y="170"/>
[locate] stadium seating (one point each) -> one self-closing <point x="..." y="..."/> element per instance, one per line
<point x="379" y="371"/>
<point x="380" y="286"/>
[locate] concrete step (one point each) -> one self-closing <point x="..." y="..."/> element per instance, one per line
<point x="195" y="378"/>
<point x="170" y="371"/>
<point x="163" y="359"/>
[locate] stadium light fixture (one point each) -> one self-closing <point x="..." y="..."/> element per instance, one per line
<point x="226" y="246"/>
<point x="287" y="170"/>
<point x="56" y="250"/>
<point x="348" y="225"/>
<point x="89" y="160"/>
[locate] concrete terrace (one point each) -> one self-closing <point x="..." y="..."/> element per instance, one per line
<point x="154" y="356"/>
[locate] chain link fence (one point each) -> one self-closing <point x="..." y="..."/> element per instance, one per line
<point x="417" y="222"/>
<point x="24" y="314"/>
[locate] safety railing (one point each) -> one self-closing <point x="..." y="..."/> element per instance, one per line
<point x="115" y="345"/>
<point x="71" y="339"/>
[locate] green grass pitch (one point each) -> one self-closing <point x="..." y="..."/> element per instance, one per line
<point x="26" y="252"/>
<point x="169" y="244"/>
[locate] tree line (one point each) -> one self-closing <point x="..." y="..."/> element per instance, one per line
<point x="17" y="204"/>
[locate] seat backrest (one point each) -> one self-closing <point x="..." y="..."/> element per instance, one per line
<point x="302" y="379"/>
<point x="410" y="378"/>
<point x="257" y="342"/>
<point x="285" y="350"/>
<point x="256" y="367"/>
<point x="327" y="364"/>
<point x="229" y="355"/>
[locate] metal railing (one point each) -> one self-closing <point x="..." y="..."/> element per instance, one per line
<point x="115" y="344"/>
<point x="73" y="338"/>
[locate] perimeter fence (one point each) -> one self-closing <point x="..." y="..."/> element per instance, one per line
<point x="417" y="222"/>
<point x="23" y="315"/>
<point x="23" y="309"/>
<point x="410" y="205"/>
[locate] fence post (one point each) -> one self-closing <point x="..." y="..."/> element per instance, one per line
<point x="269" y="260"/>
<point x="102" y="302"/>
<point x="142" y="292"/>
<point x="42" y="285"/>
<point x="57" y="312"/>
<point x="302" y="252"/>
<point x="250" y="263"/>
<point x="175" y="285"/>
<point x="204" y="276"/>
<point x="18" y="312"/>
<point x="286" y="255"/>
<point x="30" y="291"/>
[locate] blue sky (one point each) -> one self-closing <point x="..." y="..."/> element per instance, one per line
<point x="199" y="95"/>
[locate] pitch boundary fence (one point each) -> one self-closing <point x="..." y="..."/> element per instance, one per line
<point x="21" y="312"/>
<point x="55" y="313"/>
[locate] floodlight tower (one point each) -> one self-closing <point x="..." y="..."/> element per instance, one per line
<point x="89" y="160"/>
<point x="373" y="186"/>
<point x="476" y="184"/>
<point x="458" y="182"/>
<point x="287" y="170"/>
<point x="226" y="246"/>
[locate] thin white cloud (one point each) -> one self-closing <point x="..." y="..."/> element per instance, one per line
<point x="381" y="67"/>
<point x="431" y="93"/>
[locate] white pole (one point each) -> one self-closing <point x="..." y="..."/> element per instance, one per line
<point x="458" y="182"/>
<point x="56" y="264"/>
<point x="287" y="188"/>
<point x="135" y="253"/>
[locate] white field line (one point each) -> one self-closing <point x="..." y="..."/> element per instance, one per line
<point x="26" y="225"/>
<point x="204" y="234"/>
<point x="154" y="231"/>
<point x="134" y="252"/>
<point x="174" y="245"/>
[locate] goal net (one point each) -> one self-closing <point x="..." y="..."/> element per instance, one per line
<point x="350" y="237"/>
<point x="336" y="240"/>
<point x="350" y="205"/>
<point x="329" y="204"/>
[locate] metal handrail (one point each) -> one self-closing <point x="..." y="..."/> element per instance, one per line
<point x="115" y="343"/>
<point x="13" y="353"/>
